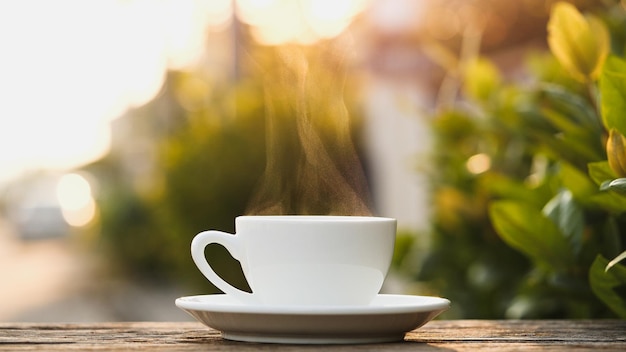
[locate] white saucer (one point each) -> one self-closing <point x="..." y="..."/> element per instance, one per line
<point x="386" y="319"/>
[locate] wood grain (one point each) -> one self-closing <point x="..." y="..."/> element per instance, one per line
<point x="440" y="335"/>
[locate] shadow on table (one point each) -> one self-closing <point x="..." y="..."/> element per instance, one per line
<point x="413" y="346"/>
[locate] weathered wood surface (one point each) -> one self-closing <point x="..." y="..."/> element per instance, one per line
<point x="452" y="335"/>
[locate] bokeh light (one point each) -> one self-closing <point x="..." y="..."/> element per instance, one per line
<point x="76" y="200"/>
<point x="479" y="163"/>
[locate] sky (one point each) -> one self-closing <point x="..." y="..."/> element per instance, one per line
<point x="70" y="67"/>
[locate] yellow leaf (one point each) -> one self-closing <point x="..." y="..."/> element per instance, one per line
<point x="482" y="78"/>
<point x="616" y="152"/>
<point x="580" y="43"/>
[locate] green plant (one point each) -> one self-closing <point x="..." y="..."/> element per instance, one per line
<point x="523" y="166"/>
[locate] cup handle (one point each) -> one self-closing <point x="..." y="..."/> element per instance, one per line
<point x="230" y="242"/>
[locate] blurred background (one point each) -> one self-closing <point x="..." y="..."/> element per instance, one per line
<point x="128" y="126"/>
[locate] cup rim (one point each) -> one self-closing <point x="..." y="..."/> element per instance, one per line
<point x="316" y="218"/>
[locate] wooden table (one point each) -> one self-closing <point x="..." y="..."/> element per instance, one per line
<point x="439" y="335"/>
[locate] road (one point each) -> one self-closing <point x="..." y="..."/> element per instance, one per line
<point x="54" y="279"/>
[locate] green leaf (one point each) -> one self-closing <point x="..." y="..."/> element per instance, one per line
<point x="481" y="79"/>
<point x="502" y="186"/>
<point x="615" y="260"/>
<point x="574" y="106"/>
<point x="578" y="182"/>
<point x="589" y="195"/>
<point x="600" y="172"/>
<point x="603" y="284"/>
<point x="609" y="201"/>
<point x="617" y="185"/>
<point x="568" y="215"/>
<point x="565" y="124"/>
<point x="610" y="240"/>
<point x="567" y="147"/>
<point x="613" y="91"/>
<point x="526" y="229"/>
<point x="605" y="185"/>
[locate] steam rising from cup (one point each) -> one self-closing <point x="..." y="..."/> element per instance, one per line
<point x="312" y="166"/>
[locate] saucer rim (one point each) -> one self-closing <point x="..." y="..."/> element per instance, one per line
<point x="382" y="304"/>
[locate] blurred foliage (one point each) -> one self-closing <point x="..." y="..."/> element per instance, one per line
<point x="527" y="207"/>
<point x="195" y="157"/>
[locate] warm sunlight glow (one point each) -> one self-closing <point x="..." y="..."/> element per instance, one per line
<point x="328" y="18"/>
<point x="299" y="21"/>
<point x="479" y="163"/>
<point x="76" y="200"/>
<point x="69" y="67"/>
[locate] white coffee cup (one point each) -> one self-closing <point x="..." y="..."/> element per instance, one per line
<point x="304" y="260"/>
